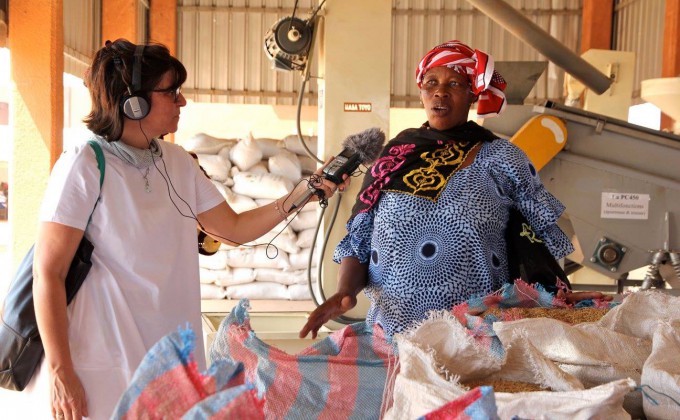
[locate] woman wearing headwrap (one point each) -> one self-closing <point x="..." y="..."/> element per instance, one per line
<point x="427" y="229"/>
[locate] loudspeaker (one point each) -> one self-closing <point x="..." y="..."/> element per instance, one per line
<point x="134" y="106"/>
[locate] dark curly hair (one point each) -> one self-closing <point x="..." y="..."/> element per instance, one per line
<point x="108" y="83"/>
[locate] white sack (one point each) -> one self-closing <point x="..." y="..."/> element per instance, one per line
<point x="240" y="203"/>
<point x="245" y="154"/>
<point x="282" y="277"/>
<point x="258" y="257"/>
<point x="213" y="276"/>
<point x="204" y="143"/>
<point x="661" y="373"/>
<point x="261" y="185"/>
<point x="602" y="402"/>
<point x="305" y="219"/>
<point x="217" y="261"/>
<point x="258" y="168"/>
<point x="285" y="241"/>
<point x="455" y="350"/>
<point x="257" y="290"/>
<point x="420" y="389"/>
<point x="308" y="164"/>
<point x="216" y="166"/>
<point x="292" y="143"/>
<point x="299" y="292"/>
<point x="640" y="312"/>
<point x="223" y="189"/>
<point x="269" y="147"/>
<point x="583" y="350"/>
<point x="286" y="164"/>
<point x="305" y="238"/>
<point x="300" y="261"/>
<point x="210" y="291"/>
<point x="236" y="276"/>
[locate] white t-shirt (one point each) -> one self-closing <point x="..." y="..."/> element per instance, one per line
<point x="144" y="281"/>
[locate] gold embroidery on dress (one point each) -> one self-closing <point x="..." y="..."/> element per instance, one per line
<point x="529" y="233"/>
<point x="429" y="178"/>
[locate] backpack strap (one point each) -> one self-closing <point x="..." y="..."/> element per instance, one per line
<point x="101" y="163"/>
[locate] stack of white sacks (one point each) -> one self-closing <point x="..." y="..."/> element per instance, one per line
<point x="252" y="172"/>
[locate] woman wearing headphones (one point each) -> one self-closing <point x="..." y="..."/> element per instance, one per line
<point x="144" y="279"/>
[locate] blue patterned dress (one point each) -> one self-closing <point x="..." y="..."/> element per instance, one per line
<point x="428" y="255"/>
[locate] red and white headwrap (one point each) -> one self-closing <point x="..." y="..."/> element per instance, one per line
<point x="486" y="83"/>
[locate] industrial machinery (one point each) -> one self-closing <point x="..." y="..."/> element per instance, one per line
<point x="620" y="184"/>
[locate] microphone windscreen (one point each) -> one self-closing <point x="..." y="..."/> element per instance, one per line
<point x="367" y="144"/>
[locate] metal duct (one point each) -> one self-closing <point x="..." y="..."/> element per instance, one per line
<point x="526" y="30"/>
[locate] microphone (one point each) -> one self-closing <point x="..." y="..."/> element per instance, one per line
<point x="360" y="148"/>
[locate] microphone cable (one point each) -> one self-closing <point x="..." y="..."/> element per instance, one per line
<point x="342" y="319"/>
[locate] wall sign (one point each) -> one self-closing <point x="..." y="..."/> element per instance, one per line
<point x="358" y="107"/>
<point x="624" y="206"/>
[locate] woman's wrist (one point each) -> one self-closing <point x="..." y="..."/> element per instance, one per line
<point x="278" y="206"/>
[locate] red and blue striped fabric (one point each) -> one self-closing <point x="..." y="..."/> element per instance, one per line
<point x="342" y="376"/>
<point x="477" y="404"/>
<point x="517" y="295"/>
<point x="240" y="402"/>
<point x="167" y="384"/>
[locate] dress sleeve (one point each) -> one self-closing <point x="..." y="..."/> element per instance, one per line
<point x="524" y="187"/>
<point x="357" y="242"/>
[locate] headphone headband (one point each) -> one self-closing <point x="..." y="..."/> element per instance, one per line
<point x="137" y="69"/>
<point x="133" y="105"/>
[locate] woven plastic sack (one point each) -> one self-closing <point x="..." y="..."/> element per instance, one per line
<point x="639" y="313"/>
<point x="661" y="373"/>
<point x="422" y="386"/>
<point x="239" y="402"/>
<point x="167" y="383"/>
<point x="593" y="354"/>
<point x="476" y="404"/>
<point x="340" y="377"/>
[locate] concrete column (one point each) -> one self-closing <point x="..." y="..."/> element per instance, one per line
<point x="37" y="114"/>
<point x="355" y="44"/>
<point x="671" y="52"/>
<point x="119" y="20"/>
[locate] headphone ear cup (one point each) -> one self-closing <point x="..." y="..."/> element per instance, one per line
<point x="135" y="107"/>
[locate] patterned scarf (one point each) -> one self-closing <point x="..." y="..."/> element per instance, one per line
<point x="486" y="83"/>
<point x="419" y="162"/>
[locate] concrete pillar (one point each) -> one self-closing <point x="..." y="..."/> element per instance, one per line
<point x="37" y="114"/>
<point x="671" y="52"/>
<point x="354" y="63"/>
<point x="119" y="20"/>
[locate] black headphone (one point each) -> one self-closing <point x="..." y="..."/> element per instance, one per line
<point x="134" y="106"/>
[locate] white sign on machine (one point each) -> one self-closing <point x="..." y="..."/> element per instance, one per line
<point x="617" y="205"/>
